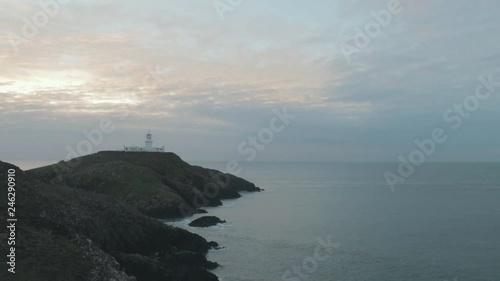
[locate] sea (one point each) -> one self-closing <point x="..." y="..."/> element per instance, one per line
<point x="341" y="221"/>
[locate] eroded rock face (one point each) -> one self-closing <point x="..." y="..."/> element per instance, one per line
<point x="206" y="221"/>
<point x="75" y="234"/>
<point x="105" y="266"/>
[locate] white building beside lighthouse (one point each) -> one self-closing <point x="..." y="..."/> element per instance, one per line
<point x="148" y="146"/>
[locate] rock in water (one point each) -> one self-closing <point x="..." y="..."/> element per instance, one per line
<point x="206" y="221"/>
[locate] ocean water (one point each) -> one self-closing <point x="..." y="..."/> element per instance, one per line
<point x="442" y="224"/>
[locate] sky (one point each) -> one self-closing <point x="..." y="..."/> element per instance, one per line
<point x="358" y="80"/>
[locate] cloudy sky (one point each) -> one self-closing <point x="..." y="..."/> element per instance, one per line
<point x="205" y="76"/>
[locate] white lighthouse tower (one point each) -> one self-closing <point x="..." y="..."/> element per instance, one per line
<point x="148" y="146"/>
<point x="149" y="141"/>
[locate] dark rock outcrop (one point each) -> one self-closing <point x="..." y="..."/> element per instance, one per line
<point x="206" y="221"/>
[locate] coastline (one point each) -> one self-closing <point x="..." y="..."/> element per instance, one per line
<point x="118" y="230"/>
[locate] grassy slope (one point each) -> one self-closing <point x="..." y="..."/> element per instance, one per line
<point x="154" y="183"/>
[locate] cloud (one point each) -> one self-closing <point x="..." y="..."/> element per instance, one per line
<point x="175" y="67"/>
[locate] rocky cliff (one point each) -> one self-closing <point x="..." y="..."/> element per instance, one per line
<point x="92" y="219"/>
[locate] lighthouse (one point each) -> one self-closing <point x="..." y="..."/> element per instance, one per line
<point x="149" y="141"/>
<point x="148" y="146"/>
